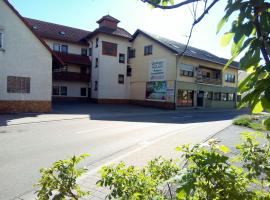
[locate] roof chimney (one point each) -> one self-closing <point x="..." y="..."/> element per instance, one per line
<point x="108" y="22"/>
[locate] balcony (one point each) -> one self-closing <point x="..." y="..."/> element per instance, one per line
<point x="71" y="76"/>
<point x="208" y="76"/>
<point x="206" y="80"/>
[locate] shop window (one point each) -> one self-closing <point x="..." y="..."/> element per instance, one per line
<point x="185" y="98"/>
<point x="231" y="97"/>
<point x="210" y="95"/>
<point x="217" y="96"/>
<point x="59" y="90"/>
<point x="224" y="96"/>
<point x="90" y="51"/>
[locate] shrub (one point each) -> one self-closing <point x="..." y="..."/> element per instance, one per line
<point x="58" y="182"/>
<point x="253" y="122"/>
<point x="208" y="174"/>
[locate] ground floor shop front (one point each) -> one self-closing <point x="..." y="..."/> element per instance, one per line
<point x="202" y="95"/>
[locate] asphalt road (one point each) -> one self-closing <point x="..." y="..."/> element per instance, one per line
<point x="24" y="149"/>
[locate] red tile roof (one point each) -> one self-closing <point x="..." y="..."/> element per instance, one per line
<point x="53" y="31"/>
<point x="74" y="59"/>
<point x="108" y="17"/>
<point x="119" y="32"/>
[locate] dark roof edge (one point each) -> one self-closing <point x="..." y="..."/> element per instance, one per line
<point x="138" y="31"/>
<point x="36" y="35"/>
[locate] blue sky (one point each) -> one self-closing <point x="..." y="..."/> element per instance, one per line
<point x="174" y="24"/>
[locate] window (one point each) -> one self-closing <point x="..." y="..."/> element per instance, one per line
<point x="84" y="52"/>
<point x="60" y="48"/>
<point x="231" y="97"/>
<point x="57" y="47"/>
<point x="217" y="96"/>
<point x="90" y="51"/>
<point x="186" y="70"/>
<point x="121" y="58"/>
<point x="131" y="52"/>
<point x="63" y="90"/>
<point x="64" y="49"/>
<point x="185" y="98"/>
<point x="96" y="62"/>
<point x="121" y="79"/>
<point x="83" y="92"/>
<point x="230" y="78"/>
<point x="224" y="96"/>
<point x="109" y="49"/>
<point x="96" y="86"/>
<point x="210" y="95"/>
<point x="148" y="50"/>
<point x="97" y="41"/>
<point x="1" y="40"/>
<point x="18" y="84"/>
<point x="129" y="70"/>
<point x="55" y="91"/>
<point x="59" y="90"/>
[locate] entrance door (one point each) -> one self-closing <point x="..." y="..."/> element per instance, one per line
<point x="200" y="97"/>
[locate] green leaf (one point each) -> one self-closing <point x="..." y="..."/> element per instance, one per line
<point x="226" y="38"/>
<point x="221" y="24"/>
<point x="172" y="2"/>
<point x="258" y="108"/>
<point x="224" y="149"/>
<point x="266" y="123"/>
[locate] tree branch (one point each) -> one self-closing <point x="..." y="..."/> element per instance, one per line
<point x="172" y="6"/>
<point x="205" y="12"/>
<point x="261" y="37"/>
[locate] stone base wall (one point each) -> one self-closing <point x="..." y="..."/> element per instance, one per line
<point x="25" y="106"/>
<point x="157" y="104"/>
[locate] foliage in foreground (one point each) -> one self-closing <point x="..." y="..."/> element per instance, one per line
<point x="208" y="174"/>
<point x="251" y="121"/>
<point x="59" y="181"/>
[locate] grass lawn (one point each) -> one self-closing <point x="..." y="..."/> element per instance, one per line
<point x="251" y="121"/>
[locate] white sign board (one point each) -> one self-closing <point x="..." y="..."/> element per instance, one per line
<point x="157" y="70"/>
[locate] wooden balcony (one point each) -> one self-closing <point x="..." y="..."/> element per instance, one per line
<point x="71" y="76"/>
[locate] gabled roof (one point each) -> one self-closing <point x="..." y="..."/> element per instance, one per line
<point x="58" y="32"/>
<point x="119" y="32"/>
<point x="108" y="17"/>
<point x="35" y="34"/>
<point x="178" y="49"/>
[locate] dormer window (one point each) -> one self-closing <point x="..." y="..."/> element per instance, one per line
<point x="62" y="33"/>
<point x="35" y="27"/>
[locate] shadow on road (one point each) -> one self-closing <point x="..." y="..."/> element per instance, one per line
<point x="128" y="113"/>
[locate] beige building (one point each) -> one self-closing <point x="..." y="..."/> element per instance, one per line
<point x="42" y="62"/>
<point x="163" y="76"/>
